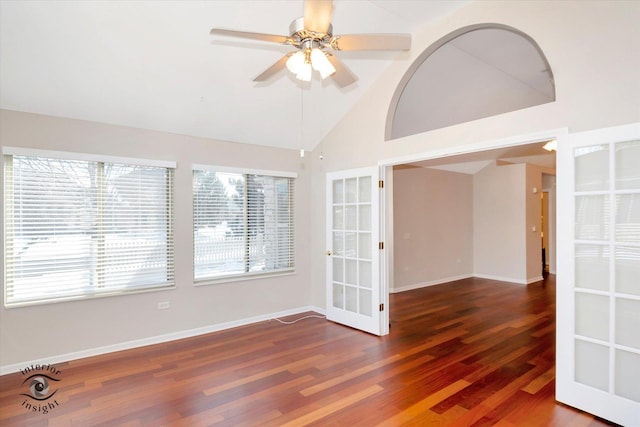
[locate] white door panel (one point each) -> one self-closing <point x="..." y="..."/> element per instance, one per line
<point x="353" y="273"/>
<point x="598" y="294"/>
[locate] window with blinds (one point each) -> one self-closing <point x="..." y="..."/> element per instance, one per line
<point x="243" y="223"/>
<point x="81" y="228"/>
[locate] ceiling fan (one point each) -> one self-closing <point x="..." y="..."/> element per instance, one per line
<point x="311" y="35"/>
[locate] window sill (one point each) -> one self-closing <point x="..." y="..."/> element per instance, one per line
<point x="242" y="278"/>
<point x="87" y="297"/>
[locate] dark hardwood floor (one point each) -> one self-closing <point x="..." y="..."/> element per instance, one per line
<point x="469" y="353"/>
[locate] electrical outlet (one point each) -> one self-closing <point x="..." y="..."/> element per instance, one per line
<point x="163" y="305"/>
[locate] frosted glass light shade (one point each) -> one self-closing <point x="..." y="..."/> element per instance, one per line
<point x="298" y="65"/>
<point x="295" y="62"/>
<point x="303" y="62"/>
<point x="321" y="64"/>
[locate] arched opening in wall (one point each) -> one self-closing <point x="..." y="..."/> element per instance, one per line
<point x="472" y="73"/>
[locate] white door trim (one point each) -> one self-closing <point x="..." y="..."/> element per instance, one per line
<point x="512" y="141"/>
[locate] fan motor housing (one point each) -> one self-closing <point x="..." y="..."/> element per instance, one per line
<point x="298" y="32"/>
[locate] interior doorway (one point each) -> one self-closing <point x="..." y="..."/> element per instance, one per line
<point x="427" y="248"/>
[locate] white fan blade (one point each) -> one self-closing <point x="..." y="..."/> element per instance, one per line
<point x="371" y="42"/>
<point x="282" y="63"/>
<point x="273" y="38"/>
<point x="343" y="76"/>
<point x="317" y="15"/>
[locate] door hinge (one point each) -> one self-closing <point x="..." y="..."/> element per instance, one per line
<point x="381" y="245"/>
<point x="381" y="184"/>
<point x="381" y="307"/>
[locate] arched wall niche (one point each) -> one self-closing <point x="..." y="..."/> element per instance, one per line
<point x="474" y="72"/>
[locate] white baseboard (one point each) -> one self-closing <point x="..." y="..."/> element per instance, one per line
<point x="431" y="283"/>
<point x="501" y="278"/>
<point x="50" y="360"/>
<point x="510" y="279"/>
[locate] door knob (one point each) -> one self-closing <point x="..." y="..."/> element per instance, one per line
<point x="328" y="253"/>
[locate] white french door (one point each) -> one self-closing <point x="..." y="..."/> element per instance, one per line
<point x="354" y="297"/>
<point x="598" y="282"/>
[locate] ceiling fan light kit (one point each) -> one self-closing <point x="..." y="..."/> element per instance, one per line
<point x="321" y="64"/>
<point x="311" y="34"/>
<point x="302" y="62"/>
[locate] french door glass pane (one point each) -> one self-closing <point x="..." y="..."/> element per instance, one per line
<point x="365" y="217"/>
<point x="351" y="299"/>
<point x="592" y="217"/>
<point x="628" y="323"/>
<point x="592" y="266"/>
<point x="628" y="270"/>
<point x="338" y="218"/>
<point x="338" y="295"/>
<point x="350" y="245"/>
<point x="351" y="190"/>
<point x="364" y="248"/>
<point x="365" y="302"/>
<point x="365" y="274"/>
<point x="592" y="361"/>
<point x="592" y="168"/>
<point x="338" y="269"/>
<point x="592" y="316"/>
<point x="338" y="191"/>
<point x="351" y="221"/>
<point x="338" y="243"/>
<point x="627" y="375"/>
<point x="364" y="185"/>
<point x="628" y="217"/>
<point x="351" y="272"/>
<point x="627" y="161"/>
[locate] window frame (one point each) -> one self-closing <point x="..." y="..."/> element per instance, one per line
<point x="100" y="160"/>
<point x="235" y="277"/>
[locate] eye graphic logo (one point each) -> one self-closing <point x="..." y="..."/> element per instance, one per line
<point x="39" y="385"/>
<point x="39" y="388"/>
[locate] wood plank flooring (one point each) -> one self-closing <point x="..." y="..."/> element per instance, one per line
<point x="474" y="352"/>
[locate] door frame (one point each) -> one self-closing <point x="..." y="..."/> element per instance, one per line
<point x="386" y="200"/>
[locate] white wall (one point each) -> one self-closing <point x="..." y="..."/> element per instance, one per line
<point x="592" y="47"/>
<point x="433" y="226"/>
<point x="38" y="332"/>
<point x="499" y="214"/>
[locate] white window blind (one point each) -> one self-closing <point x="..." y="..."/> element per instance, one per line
<point x="243" y="224"/>
<point x="76" y="228"/>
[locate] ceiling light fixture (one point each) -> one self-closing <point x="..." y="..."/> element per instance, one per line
<point x="321" y="64"/>
<point x="309" y="58"/>
<point x="551" y="145"/>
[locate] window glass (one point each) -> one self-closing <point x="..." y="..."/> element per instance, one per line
<point x="243" y="224"/>
<point x="83" y="228"/>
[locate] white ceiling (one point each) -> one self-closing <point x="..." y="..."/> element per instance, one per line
<point x="153" y="64"/>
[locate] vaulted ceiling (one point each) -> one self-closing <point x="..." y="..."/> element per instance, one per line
<point x="153" y="64"/>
